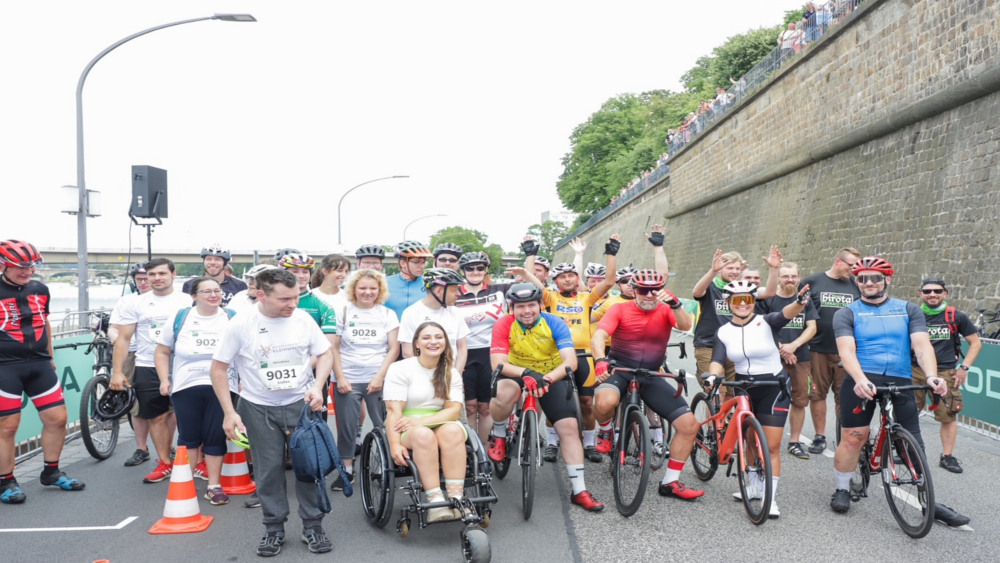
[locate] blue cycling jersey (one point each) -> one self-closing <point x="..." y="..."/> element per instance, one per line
<point x="882" y="334"/>
<point x="403" y="293"/>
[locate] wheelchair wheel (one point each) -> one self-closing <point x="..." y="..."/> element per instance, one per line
<point x="99" y="436"/>
<point x="377" y="478"/>
<point x="475" y="545"/>
<point x="529" y="461"/>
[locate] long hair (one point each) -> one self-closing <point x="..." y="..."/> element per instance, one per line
<point x="329" y="263"/>
<point x="442" y="373"/>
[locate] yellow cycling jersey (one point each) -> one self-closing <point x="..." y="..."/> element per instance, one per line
<point x="536" y="348"/>
<point x="575" y="310"/>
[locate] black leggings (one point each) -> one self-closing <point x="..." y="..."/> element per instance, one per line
<point x="477" y="376"/>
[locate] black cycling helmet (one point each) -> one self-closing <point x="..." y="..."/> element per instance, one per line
<point x="523" y="292"/>
<point x="216" y="249"/>
<point x="136" y="269"/>
<point x="370" y="251"/>
<point x="283" y="252"/>
<point x="471" y="258"/>
<point x="113" y="405"/>
<point x="442" y="277"/>
<point x="448" y="248"/>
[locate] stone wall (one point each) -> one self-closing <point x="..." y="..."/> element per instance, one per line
<point x="883" y="135"/>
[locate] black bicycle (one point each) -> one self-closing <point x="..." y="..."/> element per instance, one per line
<point x="100" y="435"/>
<point x="981" y="324"/>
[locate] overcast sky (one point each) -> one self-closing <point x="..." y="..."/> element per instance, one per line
<point x="263" y="126"/>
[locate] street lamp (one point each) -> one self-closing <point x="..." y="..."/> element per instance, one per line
<point x="83" y="299"/>
<point x="417" y="219"/>
<point x="351" y="190"/>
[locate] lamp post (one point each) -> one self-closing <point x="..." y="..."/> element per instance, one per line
<point x="351" y="190"/>
<point x="83" y="299"/>
<point x="418" y="219"/>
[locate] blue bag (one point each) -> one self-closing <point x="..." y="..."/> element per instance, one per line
<point x="314" y="455"/>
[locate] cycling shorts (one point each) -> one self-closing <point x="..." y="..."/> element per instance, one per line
<point x="764" y="401"/>
<point x="585" y="382"/>
<point x="557" y="403"/>
<point x="478" y="374"/>
<point x="656" y="392"/>
<point x="904" y="406"/>
<point x="36" y="379"/>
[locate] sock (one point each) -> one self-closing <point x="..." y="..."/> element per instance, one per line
<point x="51" y="467"/>
<point x="455" y="487"/>
<point x="434" y="495"/>
<point x="657" y="434"/>
<point x="673" y="472"/>
<point x="553" y="437"/>
<point x="349" y="469"/>
<point x="588" y="438"/>
<point x="774" y="486"/>
<point x="843" y="479"/>
<point x="500" y="429"/>
<point x="576" y="478"/>
<point x="605" y="426"/>
<point x="4" y="479"/>
<point x="616" y="436"/>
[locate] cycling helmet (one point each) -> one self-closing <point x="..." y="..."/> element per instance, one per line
<point x="370" y="251"/>
<point x="523" y="293"/>
<point x="412" y="249"/>
<point x="19" y="254"/>
<point x="295" y="260"/>
<point x="625" y="274"/>
<point x="470" y="258"/>
<point x="564" y="268"/>
<point x="875" y="263"/>
<point x="136" y="269"/>
<point x="544" y="262"/>
<point x="216" y="250"/>
<point x="252" y="272"/>
<point x="241" y="439"/>
<point x="739" y="286"/>
<point x="113" y="405"/>
<point x="281" y="253"/>
<point x="595" y="271"/>
<point x="443" y="277"/>
<point x="648" y="279"/>
<point x="448" y="248"/>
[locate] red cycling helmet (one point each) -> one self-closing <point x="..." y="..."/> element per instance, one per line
<point x="875" y="263"/>
<point x="649" y="279"/>
<point x="19" y="254"/>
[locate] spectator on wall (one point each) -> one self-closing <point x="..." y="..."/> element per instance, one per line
<point x="790" y="41"/>
<point x="810" y="23"/>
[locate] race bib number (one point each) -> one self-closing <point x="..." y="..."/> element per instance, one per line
<point x="204" y="342"/>
<point x="154" y="332"/>
<point x="365" y="333"/>
<point x="279" y="375"/>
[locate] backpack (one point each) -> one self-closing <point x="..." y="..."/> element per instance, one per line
<point x="182" y="316"/>
<point x="949" y="319"/>
<point x="314" y="456"/>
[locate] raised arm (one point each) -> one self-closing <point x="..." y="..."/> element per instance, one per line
<point x="656" y="238"/>
<point x="610" y="250"/>
<point x="773" y="261"/>
<point x="717" y="264"/>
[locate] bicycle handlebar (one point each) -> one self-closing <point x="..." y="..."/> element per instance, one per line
<point x="717" y="381"/>
<point x="680" y="377"/>
<point x="897" y="389"/>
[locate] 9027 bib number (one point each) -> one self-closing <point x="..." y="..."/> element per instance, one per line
<point x="206" y="342"/>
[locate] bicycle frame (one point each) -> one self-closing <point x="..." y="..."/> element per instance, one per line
<point x="740" y="407"/>
<point x="529" y="403"/>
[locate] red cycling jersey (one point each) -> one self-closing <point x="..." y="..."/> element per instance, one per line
<point x="640" y="337"/>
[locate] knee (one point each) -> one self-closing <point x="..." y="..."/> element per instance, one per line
<point x="605" y="402"/>
<point x="483" y="409"/>
<point x="423" y="438"/>
<point x="566" y="428"/>
<point x="471" y="408"/>
<point x="449" y="436"/>
<point x="587" y="402"/>
<point x="686" y="425"/>
<point x="8" y="426"/>
<point x="55" y="417"/>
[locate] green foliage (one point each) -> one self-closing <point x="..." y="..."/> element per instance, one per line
<point x="548" y="234"/>
<point x="470" y="241"/>
<point x="740" y="53"/>
<point x="795" y="16"/>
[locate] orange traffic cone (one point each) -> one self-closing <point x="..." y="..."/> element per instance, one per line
<point x="181" y="514"/>
<point x="235" y="473"/>
<point x="331" y="407"/>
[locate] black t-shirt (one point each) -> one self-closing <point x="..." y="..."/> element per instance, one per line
<point x="794" y="328"/>
<point x="23" y="337"/>
<point x="714" y="312"/>
<point x="828" y="297"/>
<point x="230" y="287"/>
<point x="941" y="338"/>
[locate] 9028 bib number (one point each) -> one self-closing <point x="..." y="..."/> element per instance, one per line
<point x="364" y="332"/>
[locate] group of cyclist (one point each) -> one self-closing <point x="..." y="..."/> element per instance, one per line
<point x="223" y="356"/>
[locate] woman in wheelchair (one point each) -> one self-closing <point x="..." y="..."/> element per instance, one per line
<point x="424" y="398"/>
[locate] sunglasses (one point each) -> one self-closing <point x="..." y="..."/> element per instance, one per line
<point x="647" y="290"/>
<point x="872" y="278"/>
<point x="475" y="268"/>
<point x="932" y="291"/>
<point x="742" y="300"/>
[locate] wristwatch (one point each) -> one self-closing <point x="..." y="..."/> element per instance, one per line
<point x="963" y="366"/>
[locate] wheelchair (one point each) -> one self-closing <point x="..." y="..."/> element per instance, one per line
<point x="379" y="475"/>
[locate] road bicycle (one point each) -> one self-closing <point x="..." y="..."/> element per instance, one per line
<point x="981" y="324"/>
<point x="630" y="459"/>
<point x="714" y="443"/>
<point x="894" y="453"/>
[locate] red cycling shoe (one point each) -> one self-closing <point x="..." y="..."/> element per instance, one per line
<point x="587" y="501"/>
<point x="678" y="490"/>
<point x="604" y="442"/>
<point x="498" y="449"/>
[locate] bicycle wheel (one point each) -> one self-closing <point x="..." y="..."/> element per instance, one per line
<point x="632" y="474"/>
<point x="755" y="471"/>
<point x="99" y="436"/>
<point x="705" y="453"/>
<point x="529" y="460"/>
<point x="908" y="487"/>
<point x="658" y="459"/>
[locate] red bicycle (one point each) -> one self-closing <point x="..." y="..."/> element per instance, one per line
<point x="714" y="443"/>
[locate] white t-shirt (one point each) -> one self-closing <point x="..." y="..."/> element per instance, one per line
<point x="272" y="356"/>
<point x="336" y="302"/>
<point x="364" y="340"/>
<point x="199" y="338"/>
<point x="240" y="302"/>
<point x="450" y="318"/>
<point x="409" y="381"/>
<point x="116" y="317"/>
<point x="150" y="314"/>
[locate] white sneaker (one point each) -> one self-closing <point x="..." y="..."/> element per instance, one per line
<point x="658" y="448"/>
<point x="754" y="495"/>
<point x="774" y="510"/>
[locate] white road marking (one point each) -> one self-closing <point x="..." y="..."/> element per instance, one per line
<point x="118" y="526"/>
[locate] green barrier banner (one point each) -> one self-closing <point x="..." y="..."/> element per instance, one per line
<point x="74" y="369"/>
<point x="981" y="392"/>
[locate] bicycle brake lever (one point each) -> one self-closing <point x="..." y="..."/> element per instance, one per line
<point x="860" y="408"/>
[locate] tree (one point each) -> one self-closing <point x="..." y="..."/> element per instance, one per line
<point x="548" y="234"/>
<point x="470" y="241"/>
<point x="740" y="53"/>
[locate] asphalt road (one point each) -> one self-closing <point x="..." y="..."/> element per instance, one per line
<point x="712" y="528"/>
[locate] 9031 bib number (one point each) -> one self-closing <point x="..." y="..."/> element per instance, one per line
<point x="279" y="374"/>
